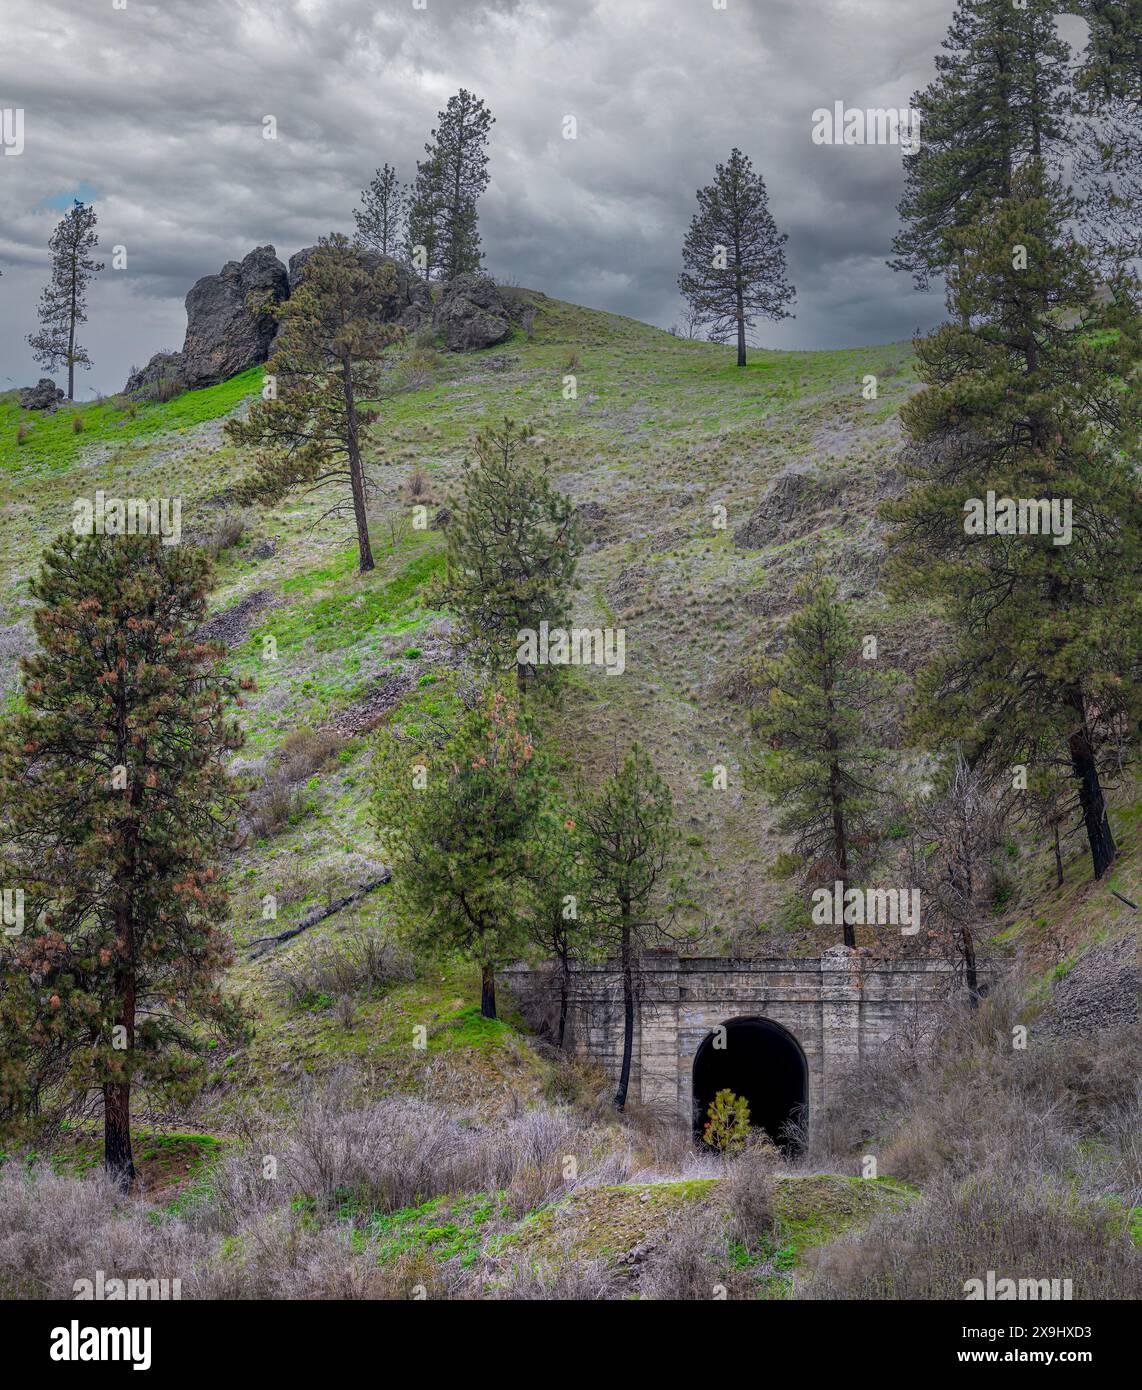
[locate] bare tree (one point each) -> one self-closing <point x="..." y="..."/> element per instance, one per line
<point x="954" y="838"/>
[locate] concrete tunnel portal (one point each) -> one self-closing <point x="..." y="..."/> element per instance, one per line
<point x="758" y="1059"/>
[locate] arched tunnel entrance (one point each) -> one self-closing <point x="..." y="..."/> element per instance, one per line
<point x="756" y="1059"/>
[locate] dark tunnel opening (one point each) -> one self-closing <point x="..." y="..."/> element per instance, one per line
<point x="760" y="1061"/>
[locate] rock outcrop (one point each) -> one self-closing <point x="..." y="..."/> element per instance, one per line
<point x="224" y="335"/>
<point x="788" y="507"/>
<point x="410" y="303"/>
<point x="472" y="313"/>
<point x="164" y="367"/>
<point x="45" y="395"/>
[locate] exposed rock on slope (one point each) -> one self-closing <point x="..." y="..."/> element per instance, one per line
<point x="787" y="508"/>
<point x="223" y="336"/>
<point x="164" y="366"/>
<point x="1100" y="992"/>
<point x="411" y="301"/>
<point x="43" y="396"/>
<point x="472" y="313"/>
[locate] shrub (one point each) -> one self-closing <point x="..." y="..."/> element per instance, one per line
<point x="748" y="1192"/>
<point x="226" y="532"/>
<point x="1020" y="1227"/>
<point x="420" y="365"/>
<point x="727" y="1122"/>
<point x="334" y="970"/>
<point x="689" y="1262"/>
<point x="279" y="802"/>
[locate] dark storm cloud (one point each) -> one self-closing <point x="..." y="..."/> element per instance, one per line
<point x="160" y="109"/>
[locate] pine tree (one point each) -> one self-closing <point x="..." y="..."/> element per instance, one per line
<point x="733" y="256"/>
<point x="63" y="305"/>
<point x="727" y="1123"/>
<point x="114" y="800"/>
<point x="818" y="712"/>
<point x="553" y="918"/>
<point x="449" y="183"/>
<point x="425" y="216"/>
<point x="1107" y="162"/>
<point x="512" y="551"/>
<point x="456" y="811"/>
<point x="382" y="218"/>
<point x="312" y="427"/>
<point x="1029" y="401"/>
<point x="1000" y="97"/>
<point x="628" y="846"/>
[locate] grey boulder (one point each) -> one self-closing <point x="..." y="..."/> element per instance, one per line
<point x="45" y="395"/>
<point x="226" y="331"/>
<point x="472" y="313"/>
<point x="410" y="302"/>
<point x="164" y="366"/>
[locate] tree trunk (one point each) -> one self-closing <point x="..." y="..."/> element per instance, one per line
<point x="1058" y="859"/>
<point x="971" y="974"/>
<point x="628" y="1011"/>
<point x="840" y="845"/>
<point x="965" y="318"/>
<point x="117" y="1157"/>
<point x="71" y="339"/>
<point x="488" y="991"/>
<point x="356" y="472"/>
<point x="741" y="331"/>
<point x="564" y="995"/>
<point x="1101" y="841"/>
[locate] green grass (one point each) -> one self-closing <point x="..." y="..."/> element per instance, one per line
<point x="52" y="442"/>
<point x="365" y="605"/>
<point x="445" y="1228"/>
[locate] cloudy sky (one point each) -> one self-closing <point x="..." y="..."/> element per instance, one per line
<point x="154" y="112"/>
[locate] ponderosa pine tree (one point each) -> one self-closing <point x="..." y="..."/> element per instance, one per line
<point x="553" y="917"/>
<point x="425" y="212"/>
<point x="512" y="551"/>
<point x="1000" y="97"/>
<point x="382" y="218"/>
<point x="1107" y="160"/>
<point x="456" y="810"/>
<point x="63" y="305"/>
<point x="817" y="711"/>
<point x="312" y="426"/>
<point x="114" y="801"/>
<point x="449" y="184"/>
<point x="1034" y="401"/>
<point x="628" y="839"/>
<point x="733" y="255"/>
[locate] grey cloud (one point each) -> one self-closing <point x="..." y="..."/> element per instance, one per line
<point x="160" y="108"/>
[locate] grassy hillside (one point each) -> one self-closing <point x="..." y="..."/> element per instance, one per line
<point x="665" y="441"/>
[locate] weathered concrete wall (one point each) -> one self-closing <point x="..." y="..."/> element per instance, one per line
<point x="836" y="1008"/>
